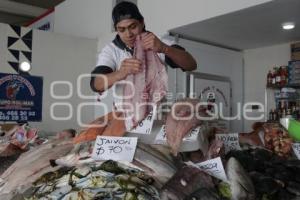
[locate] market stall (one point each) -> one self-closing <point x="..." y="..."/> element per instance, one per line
<point x="262" y="164"/>
<point x="191" y="146"/>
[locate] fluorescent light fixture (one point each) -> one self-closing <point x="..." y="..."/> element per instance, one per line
<point x="25" y="66"/>
<point x="288" y="25"/>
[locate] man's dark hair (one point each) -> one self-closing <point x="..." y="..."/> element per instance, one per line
<point x="126" y="10"/>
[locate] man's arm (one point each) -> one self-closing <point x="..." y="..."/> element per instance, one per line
<point x="178" y="56"/>
<point x="104" y="81"/>
<point x="182" y="58"/>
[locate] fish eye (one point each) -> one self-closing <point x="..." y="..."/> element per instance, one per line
<point x="133" y="171"/>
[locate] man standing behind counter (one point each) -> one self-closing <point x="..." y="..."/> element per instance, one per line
<point x="116" y="62"/>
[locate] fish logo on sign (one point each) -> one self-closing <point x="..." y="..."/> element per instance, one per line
<point x="12" y="89"/>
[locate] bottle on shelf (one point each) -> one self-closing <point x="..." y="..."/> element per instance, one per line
<point x="269" y="78"/>
<point x="275" y="115"/>
<point x="279" y="113"/>
<point x="288" y="113"/>
<point x="279" y="105"/>
<point x="278" y="76"/>
<point x="294" y="112"/>
<point x="283" y="115"/>
<point x="271" y="118"/>
<point x="273" y="77"/>
<point x="283" y="76"/>
<point x="298" y="114"/>
<point x="286" y="75"/>
<point x="287" y="100"/>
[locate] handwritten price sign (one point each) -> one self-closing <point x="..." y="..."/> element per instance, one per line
<point x="230" y="140"/>
<point x="145" y="126"/>
<point x="161" y="137"/>
<point x="114" y="148"/>
<point x="213" y="167"/>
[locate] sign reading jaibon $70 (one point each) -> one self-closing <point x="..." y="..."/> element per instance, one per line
<point x="20" y="98"/>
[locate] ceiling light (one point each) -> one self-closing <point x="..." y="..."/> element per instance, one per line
<point x="288" y="25"/>
<point x="25" y="67"/>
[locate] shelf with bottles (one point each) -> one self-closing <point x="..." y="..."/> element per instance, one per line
<point x="275" y="114"/>
<point x="285" y="109"/>
<point x="278" y="77"/>
<point x="284" y="76"/>
<point x="284" y="82"/>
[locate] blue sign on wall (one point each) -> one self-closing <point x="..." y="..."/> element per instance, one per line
<point x="20" y="98"/>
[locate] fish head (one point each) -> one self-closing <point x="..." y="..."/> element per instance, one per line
<point x="240" y="183"/>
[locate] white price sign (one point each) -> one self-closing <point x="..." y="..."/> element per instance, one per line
<point x="296" y="149"/>
<point x="161" y="137"/>
<point x="114" y="148"/>
<point x="213" y="167"/>
<point x="145" y="126"/>
<point x="230" y="141"/>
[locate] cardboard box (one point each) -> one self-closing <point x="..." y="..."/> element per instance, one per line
<point x="295" y="51"/>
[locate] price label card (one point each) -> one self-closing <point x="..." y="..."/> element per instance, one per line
<point x="114" y="148"/>
<point x="161" y="137"/>
<point x="192" y="135"/>
<point x="230" y="140"/>
<point x="296" y="149"/>
<point x="213" y="167"/>
<point x="145" y="126"/>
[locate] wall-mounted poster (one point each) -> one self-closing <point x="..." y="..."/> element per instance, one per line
<point x="215" y="92"/>
<point x="20" y="98"/>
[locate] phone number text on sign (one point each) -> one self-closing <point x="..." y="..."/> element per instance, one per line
<point x="16" y="115"/>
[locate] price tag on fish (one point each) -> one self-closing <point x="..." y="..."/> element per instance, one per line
<point x="230" y="140"/>
<point x="214" y="167"/>
<point x="114" y="148"/>
<point x="161" y="137"/>
<point x="145" y="126"/>
<point x="296" y="149"/>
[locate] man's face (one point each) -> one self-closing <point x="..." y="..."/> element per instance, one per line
<point x="128" y="29"/>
